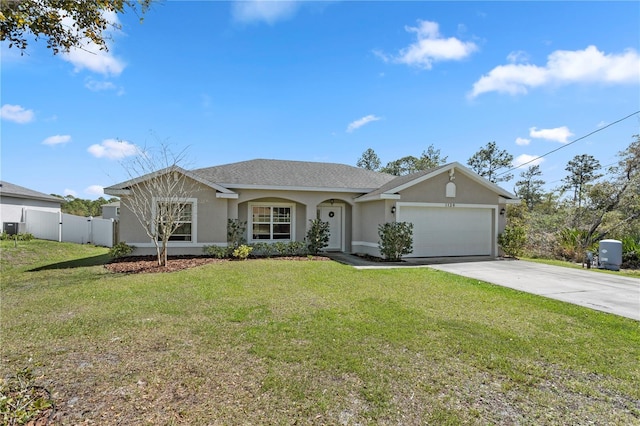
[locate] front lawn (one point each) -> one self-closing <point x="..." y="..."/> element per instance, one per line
<point x="305" y="342"/>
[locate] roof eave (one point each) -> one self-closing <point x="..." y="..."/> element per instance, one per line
<point x="32" y="197"/>
<point x="297" y="188"/>
<point x="383" y="196"/>
<point x="116" y="191"/>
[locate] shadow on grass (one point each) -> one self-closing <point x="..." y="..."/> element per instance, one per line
<point x="76" y="263"/>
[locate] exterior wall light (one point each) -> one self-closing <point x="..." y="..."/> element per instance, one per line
<point x="393" y="210"/>
<point x="502" y="211"/>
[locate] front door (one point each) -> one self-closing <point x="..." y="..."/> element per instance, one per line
<point x="333" y="215"/>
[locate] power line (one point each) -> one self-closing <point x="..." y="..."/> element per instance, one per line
<point x="570" y="143"/>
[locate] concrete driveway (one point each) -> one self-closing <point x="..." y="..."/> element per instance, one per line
<point x="604" y="292"/>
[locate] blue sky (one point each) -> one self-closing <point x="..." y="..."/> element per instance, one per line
<point x="324" y="81"/>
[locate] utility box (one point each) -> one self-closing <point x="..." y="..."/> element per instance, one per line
<point x="610" y="255"/>
<point x="10" y="228"/>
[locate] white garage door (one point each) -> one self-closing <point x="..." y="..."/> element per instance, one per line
<point x="439" y="231"/>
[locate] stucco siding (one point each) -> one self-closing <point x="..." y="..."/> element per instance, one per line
<point x="209" y="227"/>
<point x="371" y="215"/>
<point x="433" y="191"/>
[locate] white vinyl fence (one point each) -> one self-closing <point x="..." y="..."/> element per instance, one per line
<point x="70" y="228"/>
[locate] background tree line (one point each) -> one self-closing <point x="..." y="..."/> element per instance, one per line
<point x="591" y="203"/>
<point x="80" y="207"/>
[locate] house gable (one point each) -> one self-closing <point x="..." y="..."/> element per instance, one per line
<point x="437" y="179"/>
<point x="123" y="189"/>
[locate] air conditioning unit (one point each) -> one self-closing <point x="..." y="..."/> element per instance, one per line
<point x="10" y="228"/>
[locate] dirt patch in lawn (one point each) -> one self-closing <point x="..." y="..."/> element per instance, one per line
<point x="149" y="264"/>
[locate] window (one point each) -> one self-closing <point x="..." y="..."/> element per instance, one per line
<point x="181" y="215"/>
<point x="271" y="222"/>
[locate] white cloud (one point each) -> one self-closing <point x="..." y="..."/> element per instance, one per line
<point x="90" y="56"/>
<point x="522" y="141"/>
<point x="16" y="113"/>
<point x="269" y="11"/>
<point x="518" y="57"/>
<point x="430" y="47"/>
<point x="57" y="140"/>
<point x="530" y="160"/>
<point x="559" y="134"/>
<point x="98" y="86"/>
<point x="94" y="190"/>
<point x="563" y="67"/>
<point x="70" y="192"/>
<point x="113" y="149"/>
<point x="361" y="122"/>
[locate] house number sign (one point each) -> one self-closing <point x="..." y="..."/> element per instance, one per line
<point x="449" y="204"/>
<point x="331" y="214"/>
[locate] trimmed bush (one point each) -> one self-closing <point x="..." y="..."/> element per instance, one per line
<point x="236" y="232"/>
<point x="396" y="239"/>
<point x="242" y="252"/>
<point x="217" y="251"/>
<point x="121" y="249"/>
<point x="317" y="236"/>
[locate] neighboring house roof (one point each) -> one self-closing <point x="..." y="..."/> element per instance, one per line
<point x="285" y="174"/>
<point x="17" y="191"/>
<point x="114" y="204"/>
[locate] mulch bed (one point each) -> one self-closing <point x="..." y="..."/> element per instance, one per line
<point x="149" y="264"/>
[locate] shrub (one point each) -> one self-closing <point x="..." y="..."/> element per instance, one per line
<point x="631" y="252"/>
<point x="264" y="249"/>
<point x="217" y="251"/>
<point x="317" y="236"/>
<point x="396" y="239"/>
<point x="242" y="252"/>
<point x="281" y="248"/>
<point x="236" y="232"/>
<point x="18" y="237"/>
<point x="512" y="240"/>
<point x="631" y="260"/>
<point x="296" y="248"/>
<point x="120" y="250"/>
<point x="573" y="243"/>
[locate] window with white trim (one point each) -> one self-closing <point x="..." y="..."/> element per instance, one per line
<point x="271" y="222"/>
<point x="182" y="217"/>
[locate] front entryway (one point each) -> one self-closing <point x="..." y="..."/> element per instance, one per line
<point x="333" y="215"/>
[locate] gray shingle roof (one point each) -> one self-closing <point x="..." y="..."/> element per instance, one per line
<point x="294" y="174"/>
<point x="13" y="190"/>
<point x="401" y="180"/>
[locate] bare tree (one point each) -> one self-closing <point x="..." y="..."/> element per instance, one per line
<point x="158" y="194"/>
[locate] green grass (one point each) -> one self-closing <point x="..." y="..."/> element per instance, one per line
<point x="624" y="272"/>
<point x="283" y="342"/>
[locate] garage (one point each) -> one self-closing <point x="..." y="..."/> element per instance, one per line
<point x="449" y="231"/>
